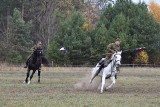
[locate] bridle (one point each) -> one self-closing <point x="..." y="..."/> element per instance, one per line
<point x="114" y="63"/>
<point x="116" y="60"/>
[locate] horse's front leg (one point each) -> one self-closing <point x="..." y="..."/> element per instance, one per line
<point x="39" y="74"/>
<point x="113" y="82"/>
<point x="27" y="75"/>
<point x="31" y="76"/>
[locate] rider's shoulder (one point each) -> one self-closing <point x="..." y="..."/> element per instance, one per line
<point x="111" y="44"/>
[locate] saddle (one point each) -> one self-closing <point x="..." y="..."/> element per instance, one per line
<point x="102" y="64"/>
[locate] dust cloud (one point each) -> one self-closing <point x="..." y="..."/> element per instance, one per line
<point x="84" y="85"/>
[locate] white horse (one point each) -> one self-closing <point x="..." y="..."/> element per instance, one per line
<point x="108" y="71"/>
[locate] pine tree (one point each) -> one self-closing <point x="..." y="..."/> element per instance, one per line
<point x="74" y="38"/>
<point x="19" y="37"/>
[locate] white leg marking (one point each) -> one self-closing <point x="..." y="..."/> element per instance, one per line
<point x="29" y="82"/>
<point x="103" y="82"/>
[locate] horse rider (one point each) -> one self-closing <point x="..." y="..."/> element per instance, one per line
<point x="38" y="45"/>
<point x="111" y="49"/>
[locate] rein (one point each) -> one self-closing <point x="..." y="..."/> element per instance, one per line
<point x="113" y="64"/>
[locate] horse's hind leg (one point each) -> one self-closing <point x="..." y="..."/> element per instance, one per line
<point x="27" y="75"/>
<point x="31" y="76"/>
<point x="39" y="74"/>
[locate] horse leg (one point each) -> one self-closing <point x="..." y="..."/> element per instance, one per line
<point x="100" y="84"/>
<point x="103" y="82"/>
<point x="39" y="74"/>
<point x="27" y="75"/>
<point x="31" y="76"/>
<point x="113" y="82"/>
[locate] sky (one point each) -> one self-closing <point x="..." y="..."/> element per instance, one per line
<point x="147" y="1"/>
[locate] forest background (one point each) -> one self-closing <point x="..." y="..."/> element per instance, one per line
<point x="83" y="27"/>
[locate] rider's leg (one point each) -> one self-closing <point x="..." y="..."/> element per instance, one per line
<point x="101" y="63"/>
<point x="100" y="68"/>
<point x="27" y="61"/>
<point x="105" y="63"/>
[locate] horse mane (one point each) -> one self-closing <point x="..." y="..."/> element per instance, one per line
<point x="117" y="52"/>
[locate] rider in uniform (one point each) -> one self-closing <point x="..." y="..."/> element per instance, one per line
<point x="38" y="45"/>
<point x="111" y="49"/>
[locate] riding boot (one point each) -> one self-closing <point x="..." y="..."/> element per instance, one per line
<point x="103" y="64"/>
<point x="107" y="62"/>
<point x="26" y="63"/>
<point x="101" y="61"/>
<point x="100" y="68"/>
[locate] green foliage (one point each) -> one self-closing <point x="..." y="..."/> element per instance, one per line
<point x="57" y="56"/>
<point x="19" y="35"/>
<point x="74" y="38"/>
<point x="57" y="21"/>
<point x="15" y="57"/>
<point x="125" y="20"/>
<point x="133" y="24"/>
<point x="100" y="39"/>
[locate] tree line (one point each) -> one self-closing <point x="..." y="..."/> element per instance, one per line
<point x="84" y="30"/>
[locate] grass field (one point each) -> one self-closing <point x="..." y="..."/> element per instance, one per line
<point x="135" y="87"/>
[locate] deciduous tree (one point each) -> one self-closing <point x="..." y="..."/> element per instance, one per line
<point x="154" y="9"/>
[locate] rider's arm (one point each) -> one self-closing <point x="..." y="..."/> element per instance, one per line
<point x="33" y="48"/>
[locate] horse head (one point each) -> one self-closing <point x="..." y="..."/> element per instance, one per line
<point x="117" y="58"/>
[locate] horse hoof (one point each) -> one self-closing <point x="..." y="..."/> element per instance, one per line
<point x="29" y="82"/>
<point x="24" y="82"/>
<point x="107" y="88"/>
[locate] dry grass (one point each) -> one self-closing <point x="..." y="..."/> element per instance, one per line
<point x="135" y="87"/>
